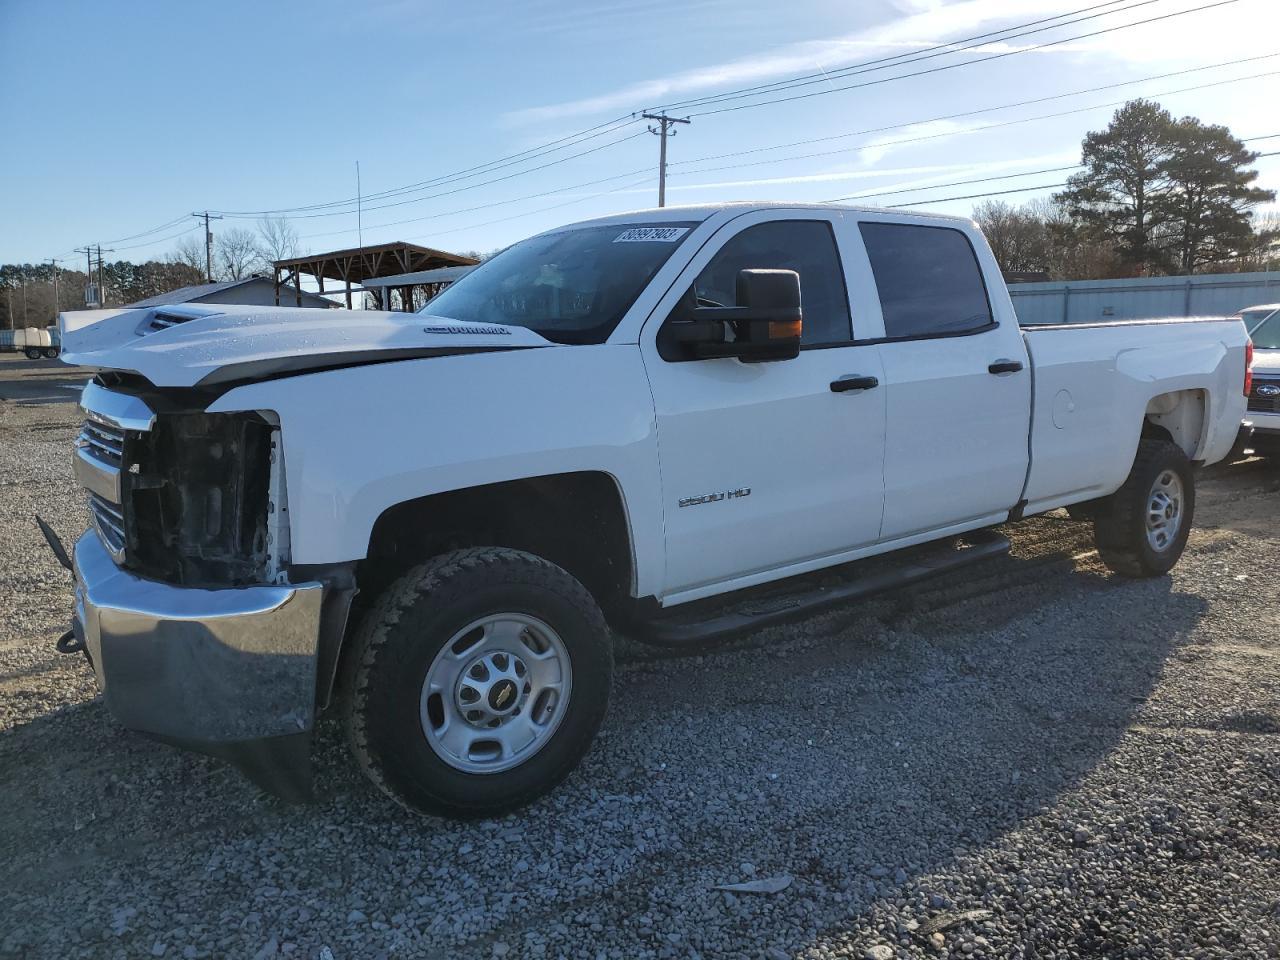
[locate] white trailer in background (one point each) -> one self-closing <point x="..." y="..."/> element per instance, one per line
<point x="35" y="342"/>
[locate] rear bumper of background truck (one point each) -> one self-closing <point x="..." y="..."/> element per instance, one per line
<point x="231" y="673"/>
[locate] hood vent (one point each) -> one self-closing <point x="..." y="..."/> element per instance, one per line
<point x="162" y="318"/>
<point x="163" y="321"/>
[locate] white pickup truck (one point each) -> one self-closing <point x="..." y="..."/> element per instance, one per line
<point x="1263" y="324"/>
<point x="661" y="423"/>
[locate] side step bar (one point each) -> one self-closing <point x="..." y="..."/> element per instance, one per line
<point x="861" y="578"/>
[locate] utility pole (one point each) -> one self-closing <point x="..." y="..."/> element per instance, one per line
<point x="88" y="274"/>
<point x="663" y="130"/>
<point x="208" y="245"/>
<point x="102" y="290"/>
<point x="54" y="261"/>
<point x="359" y="212"/>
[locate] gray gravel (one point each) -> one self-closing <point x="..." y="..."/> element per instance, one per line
<point x="1032" y="759"/>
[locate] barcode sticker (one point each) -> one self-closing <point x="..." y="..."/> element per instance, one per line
<point x="651" y="235"/>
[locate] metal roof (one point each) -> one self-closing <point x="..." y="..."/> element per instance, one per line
<point x="359" y="264"/>
<point x="439" y="275"/>
<point x="198" y="290"/>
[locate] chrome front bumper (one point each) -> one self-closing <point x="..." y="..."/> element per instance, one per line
<point x="230" y="673"/>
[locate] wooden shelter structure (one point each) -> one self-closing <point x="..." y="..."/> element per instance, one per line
<point x="348" y="268"/>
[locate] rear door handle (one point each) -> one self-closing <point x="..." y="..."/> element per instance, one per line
<point x="1005" y="366"/>
<point x="853" y="382"/>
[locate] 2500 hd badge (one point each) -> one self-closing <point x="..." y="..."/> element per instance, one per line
<point x="713" y="497"/>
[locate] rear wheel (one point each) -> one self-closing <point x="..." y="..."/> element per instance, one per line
<point x="480" y="681"/>
<point x="33" y="353"/>
<point x="1142" y="528"/>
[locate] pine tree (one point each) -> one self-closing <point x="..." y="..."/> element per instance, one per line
<point x="1207" y="209"/>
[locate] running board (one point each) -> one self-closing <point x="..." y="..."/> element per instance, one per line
<point x="802" y="596"/>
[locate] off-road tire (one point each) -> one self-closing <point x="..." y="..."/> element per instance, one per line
<point x="1119" y="523"/>
<point x="399" y="638"/>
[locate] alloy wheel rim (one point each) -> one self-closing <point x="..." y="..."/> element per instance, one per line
<point x="495" y="693"/>
<point x="1164" y="510"/>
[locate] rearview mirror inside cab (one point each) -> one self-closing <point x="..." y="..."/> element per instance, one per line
<point x="765" y="324"/>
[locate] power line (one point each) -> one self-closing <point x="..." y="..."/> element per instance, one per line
<point x="146" y="233"/>
<point x="647" y="179"/>
<point x="1007" y="176"/>
<point x="999" y="193"/>
<point x="471" y="186"/>
<point x="966" y="63"/>
<point x="972" y="113"/>
<point x="485" y="206"/>
<point x="954" y="183"/>
<point x="855" y="133"/>
<point x="490" y="166"/>
<point x="989" y="126"/>
<point x="913" y="56"/>
<point x="157" y="242"/>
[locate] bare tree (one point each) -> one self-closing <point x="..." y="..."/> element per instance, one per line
<point x="236" y="253"/>
<point x="189" y="251"/>
<point x="277" y="240"/>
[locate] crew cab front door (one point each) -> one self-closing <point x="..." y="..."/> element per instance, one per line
<point x="775" y="467"/>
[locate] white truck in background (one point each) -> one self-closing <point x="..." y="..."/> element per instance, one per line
<point x="1263" y="324"/>
<point x="642" y="423"/>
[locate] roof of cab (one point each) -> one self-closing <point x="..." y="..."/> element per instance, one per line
<point x="702" y="211"/>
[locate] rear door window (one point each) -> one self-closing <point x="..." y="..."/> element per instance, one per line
<point x="928" y="279"/>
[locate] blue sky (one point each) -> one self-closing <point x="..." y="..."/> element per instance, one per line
<point x="121" y="116"/>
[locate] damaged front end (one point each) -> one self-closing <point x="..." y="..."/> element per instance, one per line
<point x="199" y="632"/>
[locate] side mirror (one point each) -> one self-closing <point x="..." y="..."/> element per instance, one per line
<point x="765" y="325"/>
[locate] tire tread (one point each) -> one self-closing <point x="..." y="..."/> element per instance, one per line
<point x="374" y="642"/>
<point x="1119" y="516"/>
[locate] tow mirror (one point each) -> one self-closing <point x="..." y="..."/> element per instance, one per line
<point x="765" y="325"/>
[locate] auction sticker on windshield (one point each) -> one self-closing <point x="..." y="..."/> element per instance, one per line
<point x="651" y="234"/>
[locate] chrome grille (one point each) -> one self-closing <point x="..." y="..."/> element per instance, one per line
<point x="1261" y="404"/>
<point x="105" y="442"/>
<point x="108" y="518"/>
<point x="100" y="461"/>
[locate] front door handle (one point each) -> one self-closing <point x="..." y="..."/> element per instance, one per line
<point x="853" y="382"/>
<point x="1005" y="366"/>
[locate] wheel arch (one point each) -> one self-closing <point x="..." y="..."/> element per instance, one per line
<point x="577" y="520"/>
<point x="1179" y="416"/>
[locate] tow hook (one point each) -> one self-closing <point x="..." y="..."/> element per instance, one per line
<point x="70" y="643"/>
<point x="54" y="543"/>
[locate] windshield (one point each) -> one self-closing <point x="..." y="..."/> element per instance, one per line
<point x="571" y="287"/>
<point x="1266" y="336"/>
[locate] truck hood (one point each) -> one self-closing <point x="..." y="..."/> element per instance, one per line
<point x="200" y="345"/>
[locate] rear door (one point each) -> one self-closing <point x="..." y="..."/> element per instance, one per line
<point x="768" y="467"/>
<point x="957" y="380"/>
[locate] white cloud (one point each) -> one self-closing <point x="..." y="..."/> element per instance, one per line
<point x="925" y="23"/>
<point x="928" y="25"/>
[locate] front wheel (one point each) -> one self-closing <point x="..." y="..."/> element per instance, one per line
<point x="481" y="678"/>
<point x="51" y="353"/>
<point x="1142" y="528"/>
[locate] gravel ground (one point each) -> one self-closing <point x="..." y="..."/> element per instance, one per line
<point x="1028" y="759"/>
